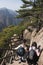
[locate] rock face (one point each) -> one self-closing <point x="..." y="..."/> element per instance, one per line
<point x="27" y="34"/>
<point x="35" y="37"/>
<point x="39" y="40"/>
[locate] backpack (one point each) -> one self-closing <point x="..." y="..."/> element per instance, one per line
<point x="21" y="51"/>
<point x="31" y="55"/>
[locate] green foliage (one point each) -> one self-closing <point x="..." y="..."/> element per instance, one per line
<point x="7" y="33"/>
<point x="31" y="9"/>
<point x="28" y="15"/>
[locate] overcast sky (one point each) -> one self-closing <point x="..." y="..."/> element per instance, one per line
<point x="11" y="4"/>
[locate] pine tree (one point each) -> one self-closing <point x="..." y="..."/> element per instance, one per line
<point x="31" y="10"/>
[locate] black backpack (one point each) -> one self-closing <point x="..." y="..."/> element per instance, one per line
<point x="21" y="51"/>
<point x="31" y="54"/>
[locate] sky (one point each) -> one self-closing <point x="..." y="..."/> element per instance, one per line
<point x="11" y="4"/>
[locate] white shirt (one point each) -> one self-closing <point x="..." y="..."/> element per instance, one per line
<point x="36" y="50"/>
<point x="21" y="45"/>
<point x="32" y="48"/>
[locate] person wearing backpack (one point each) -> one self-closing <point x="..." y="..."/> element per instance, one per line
<point x="32" y="53"/>
<point x="38" y="52"/>
<point x="21" y="50"/>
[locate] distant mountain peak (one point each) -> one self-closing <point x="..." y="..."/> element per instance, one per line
<point x="7" y="17"/>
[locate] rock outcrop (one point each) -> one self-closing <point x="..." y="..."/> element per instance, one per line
<point x="39" y="40"/>
<point x="27" y="34"/>
<point x="37" y="37"/>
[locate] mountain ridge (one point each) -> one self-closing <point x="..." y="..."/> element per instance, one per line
<point x="7" y="17"/>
